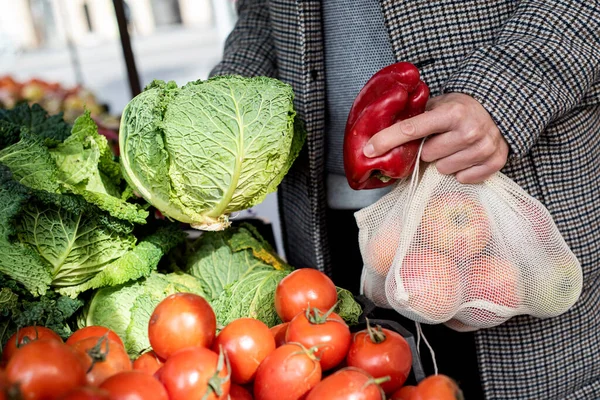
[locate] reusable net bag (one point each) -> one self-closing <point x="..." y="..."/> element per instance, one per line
<point x="470" y="256"/>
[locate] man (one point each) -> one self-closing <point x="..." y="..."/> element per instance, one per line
<point x="515" y="86"/>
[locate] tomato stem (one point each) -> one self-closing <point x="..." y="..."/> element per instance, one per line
<point x="376" y="334"/>
<point x="215" y="383"/>
<point x="381" y="380"/>
<point x="96" y="353"/>
<point x="377" y="382"/>
<point x="303" y="350"/>
<point x="316" y="317"/>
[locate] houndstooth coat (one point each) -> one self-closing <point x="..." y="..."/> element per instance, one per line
<point x="535" y="66"/>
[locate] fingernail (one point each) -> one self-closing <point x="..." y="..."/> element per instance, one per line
<point x="369" y="150"/>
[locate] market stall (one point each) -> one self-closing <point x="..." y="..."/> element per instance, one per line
<point x="124" y="274"/>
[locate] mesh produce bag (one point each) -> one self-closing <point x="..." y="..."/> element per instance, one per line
<point x="469" y="256"/>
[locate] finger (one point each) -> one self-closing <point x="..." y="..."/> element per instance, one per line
<point x="417" y="127"/>
<point x="475" y="174"/>
<point x="461" y="160"/>
<point x="442" y="145"/>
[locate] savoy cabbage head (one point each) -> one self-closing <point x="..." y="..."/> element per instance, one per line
<point x="209" y="148"/>
<point x="66" y="221"/>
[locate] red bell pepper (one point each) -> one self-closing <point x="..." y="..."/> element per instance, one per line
<point x="393" y="94"/>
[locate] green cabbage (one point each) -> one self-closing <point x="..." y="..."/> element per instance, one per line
<point x="209" y="148"/>
<point x="65" y="222"/>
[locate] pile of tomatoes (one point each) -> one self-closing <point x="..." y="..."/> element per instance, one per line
<point x="311" y="355"/>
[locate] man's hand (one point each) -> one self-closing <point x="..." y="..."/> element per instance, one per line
<point x="464" y="139"/>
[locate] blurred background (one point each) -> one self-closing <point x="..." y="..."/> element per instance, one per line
<point x="77" y="42"/>
<point x="67" y="55"/>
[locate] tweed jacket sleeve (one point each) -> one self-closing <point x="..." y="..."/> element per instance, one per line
<point x="249" y="49"/>
<point x="544" y="61"/>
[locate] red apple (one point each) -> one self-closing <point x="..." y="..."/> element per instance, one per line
<point x="456" y="225"/>
<point x="431" y="281"/>
<point x="381" y="249"/>
<point x="496" y="282"/>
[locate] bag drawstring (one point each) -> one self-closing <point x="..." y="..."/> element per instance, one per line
<point x="412" y="187"/>
<point x="420" y="335"/>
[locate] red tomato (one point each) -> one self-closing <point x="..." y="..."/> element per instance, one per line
<point x="187" y="374"/>
<point x="246" y="341"/>
<point x="288" y="373"/>
<point x="179" y="321"/>
<point x="302" y="288"/>
<point x="387" y="353"/>
<point x="94" y="331"/>
<point x="348" y="383"/>
<point x="102" y="358"/>
<point x="45" y="369"/>
<point x="404" y="393"/>
<point x="278" y="332"/>
<point x="330" y="334"/>
<point x="3" y="384"/>
<point x="148" y="362"/>
<point x="134" y="385"/>
<point x="87" y="393"/>
<point x="437" y="387"/>
<point x="158" y="373"/>
<point x="26" y="335"/>
<point x="237" y="392"/>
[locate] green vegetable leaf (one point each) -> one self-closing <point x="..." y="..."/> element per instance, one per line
<point x="253" y="296"/>
<point x="136" y="334"/>
<point x="87" y="168"/>
<point x="111" y="307"/>
<point x="76" y="246"/>
<point x="35" y="120"/>
<point x="16" y="259"/>
<point x="61" y="240"/>
<point x="216" y="264"/>
<point x="210" y="148"/>
<point x="31" y="164"/>
<point x="18" y="308"/>
<point x="136" y="263"/>
<point x="347" y="307"/>
<point x="248" y="237"/>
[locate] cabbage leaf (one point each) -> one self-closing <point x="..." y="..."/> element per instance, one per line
<point x="220" y="259"/>
<point x="253" y="296"/>
<point x="81" y="164"/>
<point x="18" y="308"/>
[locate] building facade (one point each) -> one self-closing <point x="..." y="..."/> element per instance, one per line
<point x="31" y="24"/>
